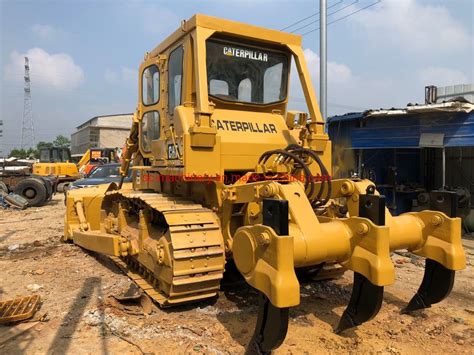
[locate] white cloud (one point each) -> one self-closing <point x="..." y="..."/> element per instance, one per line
<point x="47" y="32"/>
<point x="409" y="25"/>
<point x="53" y="71"/>
<point x="158" y="20"/>
<point x="124" y="75"/>
<point x="349" y="91"/>
<point x="441" y="76"/>
<point x="154" y="18"/>
<point x="339" y="77"/>
<point x="337" y="73"/>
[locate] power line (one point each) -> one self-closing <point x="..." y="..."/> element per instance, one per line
<point x="344" y="17"/>
<point x="306" y="18"/>
<point x="332" y="13"/>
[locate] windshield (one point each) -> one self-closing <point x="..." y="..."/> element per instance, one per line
<point x="44" y="155"/>
<point x="54" y="155"/>
<point x="105" y="171"/>
<point x="246" y="74"/>
<point x="108" y="171"/>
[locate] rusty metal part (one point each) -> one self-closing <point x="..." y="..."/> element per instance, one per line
<point x="19" y="308"/>
<point x="133" y="293"/>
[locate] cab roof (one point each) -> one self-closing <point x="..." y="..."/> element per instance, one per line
<point x="234" y="28"/>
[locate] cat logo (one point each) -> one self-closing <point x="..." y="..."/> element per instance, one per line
<point x="241" y="126"/>
<point x="245" y="53"/>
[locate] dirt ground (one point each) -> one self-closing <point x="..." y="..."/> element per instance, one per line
<point x="80" y="316"/>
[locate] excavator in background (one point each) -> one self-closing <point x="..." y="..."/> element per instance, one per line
<point x="57" y="162"/>
<point x="223" y="170"/>
<point x="94" y="157"/>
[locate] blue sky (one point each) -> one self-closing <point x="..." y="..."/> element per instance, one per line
<point x="84" y="55"/>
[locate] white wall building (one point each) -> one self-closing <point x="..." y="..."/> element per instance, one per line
<point x="109" y="131"/>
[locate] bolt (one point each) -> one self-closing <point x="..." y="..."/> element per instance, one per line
<point x="436" y="220"/>
<point x="346" y="189"/>
<point x="355" y="198"/>
<point x="269" y="190"/>
<point x="263" y="238"/>
<point x="362" y="228"/>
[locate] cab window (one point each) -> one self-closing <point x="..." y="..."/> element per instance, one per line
<point x="237" y="72"/>
<point x="151" y="85"/>
<point x="175" y="75"/>
<point x="150" y="129"/>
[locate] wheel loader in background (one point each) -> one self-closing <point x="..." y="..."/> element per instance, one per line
<point x="223" y="170"/>
<point x="57" y="161"/>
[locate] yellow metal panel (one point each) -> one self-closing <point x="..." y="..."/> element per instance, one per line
<point x="227" y="26"/>
<point x="100" y="242"/>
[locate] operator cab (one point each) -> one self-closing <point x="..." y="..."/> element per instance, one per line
<point x="55" y="155"/>
<point x="213" y="98"/>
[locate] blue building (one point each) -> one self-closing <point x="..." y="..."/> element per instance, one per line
<point x="407" y="152"/>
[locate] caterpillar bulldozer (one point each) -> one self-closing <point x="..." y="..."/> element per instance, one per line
<point x="223" y="170"/>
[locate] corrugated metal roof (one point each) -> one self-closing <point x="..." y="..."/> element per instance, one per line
<point x="451" y="106"/>
<point x="403" y="128"/>
<point x="346" y="117"/>
<point x="405" y="131"/>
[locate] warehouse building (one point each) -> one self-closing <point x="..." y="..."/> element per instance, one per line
<point x="108" y="131"/>
<point x="409" y="151"/>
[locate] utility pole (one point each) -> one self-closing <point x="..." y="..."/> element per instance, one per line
<point x="323" y="57"/>
<point x="27" y="128"/>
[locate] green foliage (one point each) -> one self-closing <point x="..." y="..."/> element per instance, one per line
<point x="59" y="141"/>
<point x="62" y="141"/>
<point x="42" y="145"/>
<point x="23" y="153"/>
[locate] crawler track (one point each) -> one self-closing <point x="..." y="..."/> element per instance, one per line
<point x="183" y="258"/>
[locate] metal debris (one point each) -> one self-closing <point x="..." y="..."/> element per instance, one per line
<point x="18" y="309"/>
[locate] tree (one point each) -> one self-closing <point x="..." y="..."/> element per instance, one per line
<point x="42" y="145"/>
<point x="62" y="141"/>
<point x="17" y="153"/>
<point x="22" y="153"/>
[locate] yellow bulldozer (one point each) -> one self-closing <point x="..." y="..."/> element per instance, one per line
<point x="224" y="171"/>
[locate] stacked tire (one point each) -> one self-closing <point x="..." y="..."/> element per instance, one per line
<point x="34" y="190"/>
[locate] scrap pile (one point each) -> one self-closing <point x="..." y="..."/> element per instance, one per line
<point x="20" y="188"/>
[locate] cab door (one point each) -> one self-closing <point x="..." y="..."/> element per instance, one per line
<point x="151" y="108"/>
